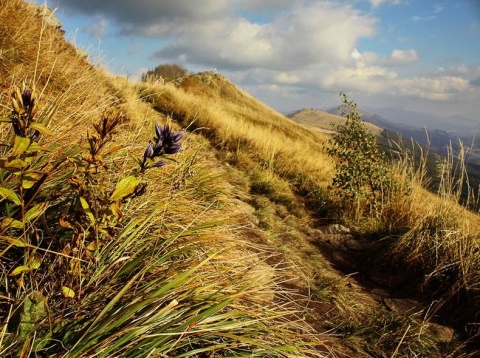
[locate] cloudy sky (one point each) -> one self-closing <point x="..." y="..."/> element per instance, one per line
<point x="418" y="54"/>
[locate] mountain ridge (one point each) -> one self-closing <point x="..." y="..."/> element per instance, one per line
<point x="436" y="139"/>
<point x="235" y="244"/>
<point x="456" y="125"/>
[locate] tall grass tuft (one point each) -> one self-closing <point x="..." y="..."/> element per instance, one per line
<point x="441" y="246"/>
<point x="240" y="124"/>
<point x="104" y="249"/>
<point x="88" y="269"/>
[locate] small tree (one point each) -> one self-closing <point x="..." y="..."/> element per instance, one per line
<point x="167" y="71"/>
<point x="361" y="171"/>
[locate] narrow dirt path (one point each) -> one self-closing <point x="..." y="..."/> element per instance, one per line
<point x="331" y="270"/>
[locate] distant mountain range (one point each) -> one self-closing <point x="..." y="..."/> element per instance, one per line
<point x="431" y="131"/>
<point x="428" y="130"/>
<point x="456" y="125"/>
<point x="399" y="117"/>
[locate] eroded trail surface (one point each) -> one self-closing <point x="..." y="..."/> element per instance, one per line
<point x="363" y="309"/>
<point x="389" y="287"/>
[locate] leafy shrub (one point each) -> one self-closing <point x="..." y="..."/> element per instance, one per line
<point x="361" y="171"/>
<point x="57" y="213"/>
<point x="167" y="72"/>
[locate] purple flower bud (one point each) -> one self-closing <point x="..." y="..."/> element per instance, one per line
<point x="159" y="131"/>
<point x="148" y="152"/>
<point x="159" y="164"/>
<point x="27" y="99"/>
<point x="34" y="136"/>
<point x="166" y="142"/>
<point x="172" y="149"/>
<point x="16" y="129"/>
<point x="177" y="136"/>
<point x="157" y="148"/>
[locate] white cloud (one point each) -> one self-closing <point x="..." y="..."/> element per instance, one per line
<point x="153" y="18"/>
<point x="376" y="3"/>
<point x="306" y="36"/>
<point x="356" y="55"/>
<point x="441" y="88"/>
<point x="418" y="18"/>
<point x="289" y="49"/>
<point x="256" y="5"/>
<point x="463" y="71"/>
<point x="138" y="74"/>
<point x="285" y="77"/>
<point x="438" y="8"/>
<point x="98" y="28"/>
<point x="397" y="58"/>
<point x="301" y="34"/>
<point x="364" y="78"/>
<point x="402" y="57"/>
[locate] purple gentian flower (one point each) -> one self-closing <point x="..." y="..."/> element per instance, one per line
<point x="27" y="99"/>
<point x="166" y="142"/>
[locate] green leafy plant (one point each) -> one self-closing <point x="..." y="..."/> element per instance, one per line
<point x="361" y="177"/>
<point x="58" y="211"/>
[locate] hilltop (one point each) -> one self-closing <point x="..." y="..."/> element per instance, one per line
<point x="324" y="120"/>
<point x="437" y="143"/>
<point x="189" y="219"/>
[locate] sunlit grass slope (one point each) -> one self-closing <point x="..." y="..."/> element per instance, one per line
<point x="429" y="236"/>
<point x="111" y="256"/>
<point x="90" y="265"/>
<point x="237" y="121"/>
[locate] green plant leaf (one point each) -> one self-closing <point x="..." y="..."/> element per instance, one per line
<point x="14" y="242"/>
<point x="30" y="178"/>
<point x="12" y="223"/>
<point x="35" y="147"/>
<point x="10" y="195"/>
<point x="92" y="246"/>
<point x="15" y="163"/>
<point x="36" y="211"/>
<point x="68" y="292"/>
<point x="116" y="209"/>
<point x="35" y="261"/>
<point x="19" y="269"/>
<point x="20" y="145"/>
<point x="41" y="128"/>
<point x="125" y="187"/>
<point x="33" y="311"/>
<point x="86" y="207"/>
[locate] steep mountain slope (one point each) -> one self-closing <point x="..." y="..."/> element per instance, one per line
<point x="165" y="275"/>
<point x="273" y="156"/>
<point x="231" y="248"/>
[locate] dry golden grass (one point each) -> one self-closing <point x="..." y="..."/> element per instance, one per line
<point x="189" y="198"/>
<point x="279" y="161"/>
<point x="443" y="237"/>
<point x="266" y="143"/>
<point x="279" y="156"/>
<point x="276" y="142"/>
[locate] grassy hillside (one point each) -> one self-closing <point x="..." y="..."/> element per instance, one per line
<point x="114" y="242"/>
<point x="323" y="120"/>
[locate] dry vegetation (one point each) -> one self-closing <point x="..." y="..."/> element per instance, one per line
<point x="163" y="274"/>
<point x="323" y="121"/>
<point x="217" y="253"/>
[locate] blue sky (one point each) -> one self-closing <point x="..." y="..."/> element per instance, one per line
<point x="422" y="55"/>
